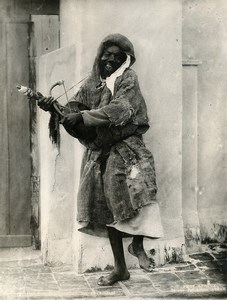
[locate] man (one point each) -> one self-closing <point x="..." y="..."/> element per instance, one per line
<point x="118" y="186"/>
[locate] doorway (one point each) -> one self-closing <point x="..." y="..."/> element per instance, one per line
<point x="21" y="45"/>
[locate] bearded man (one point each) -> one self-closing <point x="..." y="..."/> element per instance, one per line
<point x="118" y="188"/>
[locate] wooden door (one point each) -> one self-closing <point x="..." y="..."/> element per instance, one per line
<point x="21" y="45"/>
<point x="15" y="162"/>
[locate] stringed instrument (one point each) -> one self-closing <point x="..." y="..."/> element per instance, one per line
<point x="80" y="131"/>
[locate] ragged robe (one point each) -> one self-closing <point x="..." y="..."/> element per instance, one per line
<point x="117" y="172"/>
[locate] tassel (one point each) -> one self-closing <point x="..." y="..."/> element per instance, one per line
<point x="54" y="129"/>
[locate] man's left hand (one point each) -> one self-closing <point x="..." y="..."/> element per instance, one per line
<point x="72" y="119"/>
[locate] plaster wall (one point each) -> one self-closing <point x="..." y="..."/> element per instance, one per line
<point x="58" y="171"/>
<point x="154" y="27"/>
<point x="204" y="38"/>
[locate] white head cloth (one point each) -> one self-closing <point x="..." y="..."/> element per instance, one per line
<point x="111" y="79"/>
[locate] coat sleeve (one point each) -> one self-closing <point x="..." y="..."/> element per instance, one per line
<point x="95" y="117"/>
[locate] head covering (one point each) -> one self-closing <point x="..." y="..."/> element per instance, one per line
<point x="113" y="39"/>
<point x="110" y="81"/>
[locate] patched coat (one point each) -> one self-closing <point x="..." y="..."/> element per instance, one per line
<point x="117" y="172"/>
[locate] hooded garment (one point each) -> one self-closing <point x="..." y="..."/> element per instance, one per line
<point x="117" y="172"/>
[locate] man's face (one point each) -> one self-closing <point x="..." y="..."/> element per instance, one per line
<point x="111" y="59"/>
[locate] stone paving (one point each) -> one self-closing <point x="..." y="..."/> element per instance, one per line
<point x="203" y="276"/>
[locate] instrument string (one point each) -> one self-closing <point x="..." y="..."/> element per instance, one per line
<point x="65" y="93"/>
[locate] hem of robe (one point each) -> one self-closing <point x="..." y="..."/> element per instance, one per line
<point x="146" y="223"/>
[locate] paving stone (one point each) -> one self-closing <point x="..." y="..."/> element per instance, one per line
<point x="39" y="276"/>
<point x="13" y="297"/>
<point x="217" y="246"/>
<point x="220" y="255"/>
<point x="153" y="295"/>
<point x="211" y="295"/>
<point x="185" y="268"/>
<point x="191" y="275"/>
<point x="62" y="269"/>
<point x="141" y="289"/>
<point x="212" y="290"/>
<point x="9" y="264"/>
<point x="179" y="295"/>
<point x="8" y="287"/>
<point x="68" y="276"/>
<point x="44" y="298"/>
<point x="38" y="289"/>
<point x="70" y="281"/>
<point x="171" y="287"/>
<point x="202" y="256"/>
<point x="11" y="277"/>
<point x="16" y="270"/>
<point x="215" y="276"/>
<point x="223" y="266"/>
<point x="72" y="285"/>
<point x="208" y="265"/>
<point x="111" y="291"/>
<point x="29" y="262"/>
<point x="40" y="282"/>
<point x="163" y="278"/>
<point x="137" y="279"/>
<point x="80" y="294"/>
<point x="36" y="270"/>
<point x="19" y="290"/>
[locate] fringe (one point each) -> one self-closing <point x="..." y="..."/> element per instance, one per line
<point x="54" y="129"/>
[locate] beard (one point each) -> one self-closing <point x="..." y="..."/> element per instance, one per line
<point x="107" y="68"/>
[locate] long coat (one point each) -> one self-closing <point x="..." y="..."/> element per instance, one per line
<point x="117" y="172"/>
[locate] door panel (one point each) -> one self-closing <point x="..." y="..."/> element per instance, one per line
<point x="19" y="133"/>
<point x="20" y="47"/>
<point x="15" y="188"/>
<point x="4" y="203"/>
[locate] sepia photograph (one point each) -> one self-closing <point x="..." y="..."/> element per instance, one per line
<point x="113" y="173"/>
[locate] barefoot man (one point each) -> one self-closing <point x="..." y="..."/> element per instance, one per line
<point x="118" y="189"/>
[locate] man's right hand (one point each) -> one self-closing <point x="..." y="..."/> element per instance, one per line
<point x="46" y="103"/>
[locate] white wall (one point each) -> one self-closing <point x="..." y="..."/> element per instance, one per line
<point x="205" y="36"/>
<point x="58" y="170"/>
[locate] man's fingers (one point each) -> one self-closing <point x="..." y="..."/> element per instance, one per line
<point x="40" y="95"/>
<point x="45" y="102"/>
<point x="49" y="101"/>
<point x="67" y="120"/>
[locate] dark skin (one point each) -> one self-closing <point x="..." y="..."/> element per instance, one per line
<point x="111" y="59"/>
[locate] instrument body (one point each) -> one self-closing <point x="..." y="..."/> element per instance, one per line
<point x="80" y="131"/>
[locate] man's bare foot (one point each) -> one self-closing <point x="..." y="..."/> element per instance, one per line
<point x="145" y="262"/>
<point x="113" y="278"/>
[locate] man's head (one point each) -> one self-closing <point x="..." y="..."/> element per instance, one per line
<point x="111" y="59"/>
<point x="112" y="53"/>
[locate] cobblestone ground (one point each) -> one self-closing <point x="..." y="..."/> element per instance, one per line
<point x="204" y="276"/>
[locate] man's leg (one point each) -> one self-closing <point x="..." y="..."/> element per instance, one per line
<point x="136" y="249"/>
<point x="120" y="271"/>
